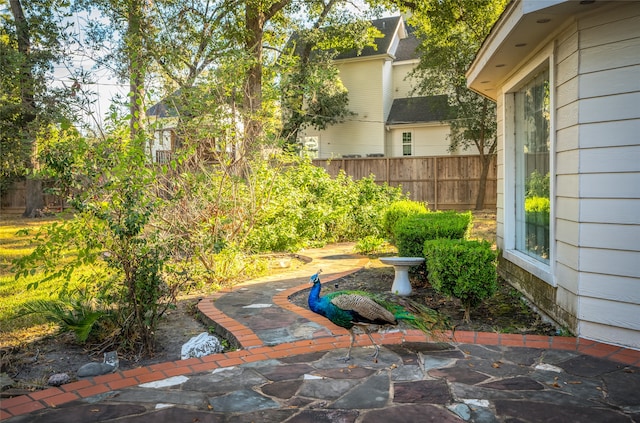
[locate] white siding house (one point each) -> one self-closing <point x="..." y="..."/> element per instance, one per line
<point x="566" y="79"/>
<point x="377" y="79"/>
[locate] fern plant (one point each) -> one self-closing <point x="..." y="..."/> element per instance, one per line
<point x="75" y="315"/>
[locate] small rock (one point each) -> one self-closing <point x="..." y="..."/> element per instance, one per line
<point x="95" y="369"/>
<point x="201" y="345"/>
<point x="58" y="379"/>
<point x="462" y="410"/>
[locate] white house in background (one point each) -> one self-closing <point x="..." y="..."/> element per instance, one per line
<point x="215" y="135"/>
<point x="387" y="122"/>
<point x="566" y="79"/>
<point x="164" y="142"/>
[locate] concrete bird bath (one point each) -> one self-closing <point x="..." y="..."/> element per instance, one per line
<point x="401" y="285"/>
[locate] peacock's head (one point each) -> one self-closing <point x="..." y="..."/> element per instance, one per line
<point x="315" y="278"/>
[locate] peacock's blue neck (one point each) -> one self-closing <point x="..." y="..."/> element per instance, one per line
<point x="314" y="296"/>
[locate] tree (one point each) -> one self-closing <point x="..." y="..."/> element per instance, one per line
<point x="32" y="40"/>
<point x="452" y="31"/>
<point x="129" y="26"/>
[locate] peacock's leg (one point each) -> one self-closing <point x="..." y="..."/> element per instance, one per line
<point x="377" y="348"/>
<point x="348" y="356"/>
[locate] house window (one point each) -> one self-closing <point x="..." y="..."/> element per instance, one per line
<point x="532" y="165"/>
<point x="407" y="144"/>
<point x="309" y="146"/>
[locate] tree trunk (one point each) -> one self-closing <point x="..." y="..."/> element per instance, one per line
<point x="255" y="20"/>
<point x="34" y="195"/>
<point x="485" y="157"/>
<point x="482" y="184"/>
<point x="137" y="66"/>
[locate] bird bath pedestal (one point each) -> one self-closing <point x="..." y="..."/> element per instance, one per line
<point x="401" y="284"/>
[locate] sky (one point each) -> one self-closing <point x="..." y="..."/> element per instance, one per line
<point x="104" y="87"/>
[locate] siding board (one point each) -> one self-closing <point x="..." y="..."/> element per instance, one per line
<point x="614" y="288"/>
<point x="624" y="53"/>
<point x="612" y="313"/>
<point x="599" y="160"/>
<point x="601" y="134"/>
<point x="614" y="107"/>
<point x="609" y="262"/>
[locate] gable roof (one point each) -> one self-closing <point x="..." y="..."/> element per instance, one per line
<point x="388" y="27"/>
<point x="405" y="49"/>
<point x="433" y="108"/>
<point x="408" y="47"/>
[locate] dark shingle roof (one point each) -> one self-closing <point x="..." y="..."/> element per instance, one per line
<point x="419" y="110"/>
<point x="408" y="47"/>
<point x="387" y="26"/>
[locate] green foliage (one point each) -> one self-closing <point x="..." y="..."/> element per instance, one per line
<point x="400" y="210"/>
<point x="307" y="207"/>
<point x="112" y="227"/>
<point x="61" y="152"/>
<point x="462" y="269"/>
<point x="72" y="312"/>
<point x="537" y="210"/>
<point x="369" y="245"/>
<point x="537" y="185"/>
<point x="412" y="231"/>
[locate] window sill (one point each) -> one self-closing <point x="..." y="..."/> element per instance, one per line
<point x="536" y="268"/>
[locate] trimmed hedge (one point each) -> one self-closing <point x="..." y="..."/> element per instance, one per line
<point x="410" y="232"/>
<point x="462" y="269"/>
<point x="399" y="210"/>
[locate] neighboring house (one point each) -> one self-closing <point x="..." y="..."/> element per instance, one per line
<point x="214" y="137"/>
<point x="387" y="122"/>
<point x="165" y="142"/>
<point x="566" y="79"/>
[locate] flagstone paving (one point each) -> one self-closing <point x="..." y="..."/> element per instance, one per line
<point x="287" y="369"/>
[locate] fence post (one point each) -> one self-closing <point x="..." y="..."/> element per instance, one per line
<point x="435" y="182"/>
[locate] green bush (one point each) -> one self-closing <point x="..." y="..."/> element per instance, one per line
<point x="462" y="269"/>
<point x="302" y="205"/>
<point x="400" y="210"/>
<point x="537" y="210"/>
<point x="369" y="245"/>
<point x="411" y="232"/>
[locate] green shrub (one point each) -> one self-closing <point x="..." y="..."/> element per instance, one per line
<point x="302" y="205"/>
<point x="537" y="210"/>
<point x="400" y="210"/>
<point x="411" y="232"/>
<point x="369" y="245"/>
<point x="462" y="269"/>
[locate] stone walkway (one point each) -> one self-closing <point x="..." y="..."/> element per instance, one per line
<point x="287" y="370"/>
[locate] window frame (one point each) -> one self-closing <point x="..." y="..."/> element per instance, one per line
<point x="544" y="59"/>
<point x="403" y="144"/>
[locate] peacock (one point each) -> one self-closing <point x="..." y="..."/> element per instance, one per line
<point x="349" y="309"/>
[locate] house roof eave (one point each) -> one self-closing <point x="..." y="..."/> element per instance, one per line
<point x="407" y="125"/>
<point x="521" y="28"/>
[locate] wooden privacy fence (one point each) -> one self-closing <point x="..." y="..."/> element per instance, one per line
<point x="445" y="182"/>
<point x="13" y="199"/>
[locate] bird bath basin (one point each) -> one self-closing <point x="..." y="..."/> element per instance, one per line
<point x="401" y="284"/>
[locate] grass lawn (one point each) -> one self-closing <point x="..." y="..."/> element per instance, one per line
<point x="14" y="292"/>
